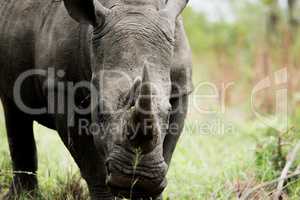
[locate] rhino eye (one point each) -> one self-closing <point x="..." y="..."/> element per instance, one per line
<point x="129" y="100"/>
<point x="169" y="110"/>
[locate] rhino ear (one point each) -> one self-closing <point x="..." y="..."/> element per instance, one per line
<point x="174" y="8"/>
<point x="87" y="11"/>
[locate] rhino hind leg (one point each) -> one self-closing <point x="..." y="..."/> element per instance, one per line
<point x="22" y="147"/>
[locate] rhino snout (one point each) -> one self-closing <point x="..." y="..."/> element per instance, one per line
<point x="132" y="177"/>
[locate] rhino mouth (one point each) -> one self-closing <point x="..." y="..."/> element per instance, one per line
<point x="135" y="188"/>
<point x="143" y="180"/>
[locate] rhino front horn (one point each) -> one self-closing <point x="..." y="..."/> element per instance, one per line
<point x="144" y="118"/>
<point x="144" y="102"/>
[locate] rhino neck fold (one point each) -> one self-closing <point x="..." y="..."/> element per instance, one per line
<point x="85" y="51"/>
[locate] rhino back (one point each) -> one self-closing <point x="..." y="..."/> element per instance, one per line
<point x="36" y="34"/>
<point x="17" y="40"/>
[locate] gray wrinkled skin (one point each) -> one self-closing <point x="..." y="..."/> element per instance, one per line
<point x="40" y="34"/>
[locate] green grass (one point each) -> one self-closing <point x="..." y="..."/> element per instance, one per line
<point x="205" y="166"/>
<point x="209" y="166"/>
<point x="58" y="176"/>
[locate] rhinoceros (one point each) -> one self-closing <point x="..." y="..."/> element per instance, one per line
<point x="112" y="77"/>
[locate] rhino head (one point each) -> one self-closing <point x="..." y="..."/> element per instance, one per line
<point x="131" y="51"/>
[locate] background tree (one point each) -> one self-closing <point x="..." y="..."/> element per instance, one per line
<point x="291" y="13"/>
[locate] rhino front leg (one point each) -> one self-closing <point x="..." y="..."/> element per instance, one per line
<point x="22" y="149"/>
<point x="180" y="107"/>
<point x="92" y="166"/>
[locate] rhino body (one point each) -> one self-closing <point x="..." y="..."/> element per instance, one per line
<point x="42" y="36"/>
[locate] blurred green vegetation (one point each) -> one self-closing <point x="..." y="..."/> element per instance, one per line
<point x="259" y="39"/>
<point x="262" y="39"/>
